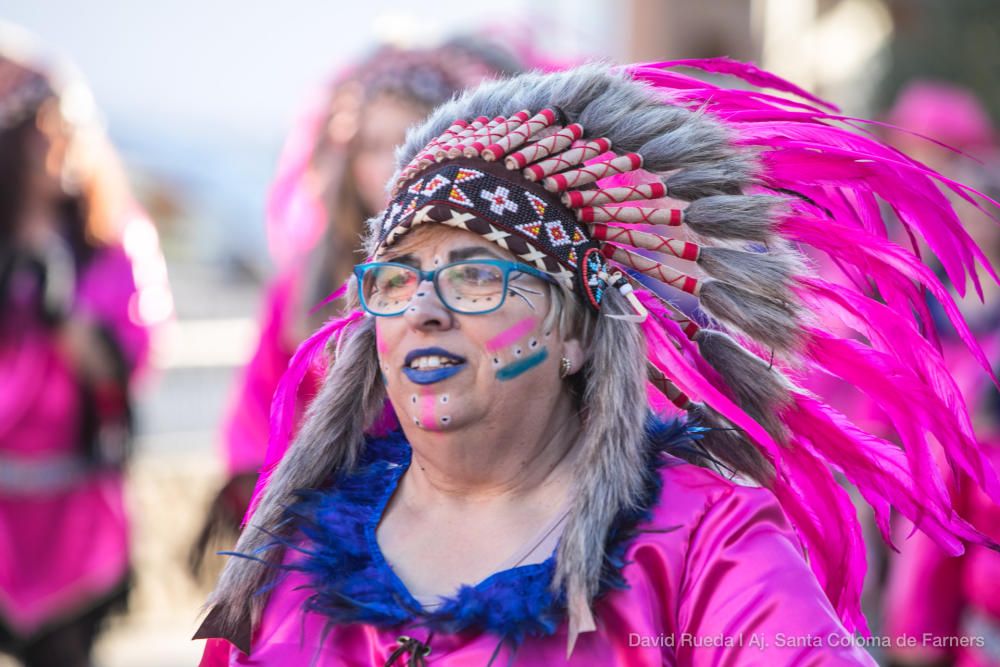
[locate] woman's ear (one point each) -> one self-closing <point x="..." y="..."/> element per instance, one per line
<point x="573" y="350"/>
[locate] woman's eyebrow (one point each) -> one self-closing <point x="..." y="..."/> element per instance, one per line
<point x="459" y="254"/>
<point x="407" y="259"/>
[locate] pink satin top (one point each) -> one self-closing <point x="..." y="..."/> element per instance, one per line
<point x="716" y="576"/>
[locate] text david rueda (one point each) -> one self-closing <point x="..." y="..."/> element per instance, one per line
<point x="778" y="640"/>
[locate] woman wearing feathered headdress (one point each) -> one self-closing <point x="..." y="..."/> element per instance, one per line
<point x="482" y="477"/>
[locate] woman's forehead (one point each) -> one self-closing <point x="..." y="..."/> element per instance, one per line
<point x="437" y="239"/>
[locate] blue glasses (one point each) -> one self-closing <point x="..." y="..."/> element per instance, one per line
<point x="471" y="287"/>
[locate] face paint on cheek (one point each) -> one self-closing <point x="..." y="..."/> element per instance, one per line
<point x="511" y="335"/>
<point x="522" y="365"/>
<point x="380" y="345"/>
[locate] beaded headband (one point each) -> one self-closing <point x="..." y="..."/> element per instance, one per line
<point x="530" y="184"/>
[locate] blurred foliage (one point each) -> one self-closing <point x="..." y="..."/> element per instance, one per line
<point x="949" y="40"/>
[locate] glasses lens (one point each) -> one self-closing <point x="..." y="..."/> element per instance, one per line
<point x="388" y="288"/>
<point x="471" y="287"/>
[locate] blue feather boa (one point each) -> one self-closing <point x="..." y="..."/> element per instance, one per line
<point x="334" y="530"/>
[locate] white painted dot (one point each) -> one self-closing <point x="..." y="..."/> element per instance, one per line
<point x="445" y="419"/>
<point x="517" y="352"/>
<point x="444" y="398"/>
<point x="496" y="361"/>
<point x="533" y="343"/>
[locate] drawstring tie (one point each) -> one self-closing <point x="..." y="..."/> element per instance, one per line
<point x="418" y="651"/>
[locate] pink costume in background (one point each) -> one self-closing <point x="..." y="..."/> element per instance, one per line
<point x="930" y="597"/>
<point x="937" y="599"/>
<point x="246" y="429"/>
<point x="63" y="526"/>
<point x="717" y="564"/>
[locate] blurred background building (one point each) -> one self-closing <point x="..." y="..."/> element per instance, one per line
<point x="199" y="94"/>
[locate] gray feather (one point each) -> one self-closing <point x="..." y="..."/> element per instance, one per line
<point x="772" y="323"/>
<point x="745" y="217"/>
<point x="760" y="390"/>
<point x="766" y="273"/>
<point x="731" y="446"/>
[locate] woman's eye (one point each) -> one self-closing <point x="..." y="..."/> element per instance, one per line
<point x="476" y="275"/>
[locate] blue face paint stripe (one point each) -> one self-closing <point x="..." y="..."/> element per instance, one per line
<point x="511" y="371"/>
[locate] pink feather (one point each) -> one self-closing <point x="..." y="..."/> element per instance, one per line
<point x="745" y="71"/>
<point x="891" y="334"/>
<point x="886" y="263"/>
<point x="283" y="413"/>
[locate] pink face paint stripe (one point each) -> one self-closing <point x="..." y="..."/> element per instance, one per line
<point x="380" y="345"/>
<point x="511" y="335"/>
<point x="427" y="417"/>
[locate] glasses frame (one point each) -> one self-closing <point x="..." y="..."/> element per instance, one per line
<point x="506" y="266"/>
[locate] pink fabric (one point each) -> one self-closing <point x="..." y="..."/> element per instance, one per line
<point x="63" y="546"/>
<point x="943" y="111"/>
<point x="928" y="591"/>
<point x="719" y="563"/>
<point x="246" y="427"/>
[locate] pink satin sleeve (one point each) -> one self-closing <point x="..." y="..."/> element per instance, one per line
<point x="929" y="592"/>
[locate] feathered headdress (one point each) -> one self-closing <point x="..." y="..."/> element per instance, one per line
<point x="588" y="173"/>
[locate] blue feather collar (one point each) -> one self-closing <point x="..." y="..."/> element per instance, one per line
<point x="351" y="581"/>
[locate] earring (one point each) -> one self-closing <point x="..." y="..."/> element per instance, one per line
<point x="565" y="366"/>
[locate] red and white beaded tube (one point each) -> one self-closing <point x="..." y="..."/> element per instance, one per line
<point x="687" y="325"/>
<point x="633" y="215"/>
<point x="581" y="198"/>
<point x="429" y="151"/>
<point x="457" y="147"/>
<point x="559" y="141"/>
<point x="667" y="388"/>
<point x="519" y="135"/>
<point x="593" y="172"/>
<point x="675" y="247"/>
<point x="484" y="138"/>
<point x="505" y="128"/>
<point x="567" y="160"/>
<point x="441" y="152"/>
<point x="445" y="147"/>
<point x="427" y="157"/>
<point x="653" y="269"/>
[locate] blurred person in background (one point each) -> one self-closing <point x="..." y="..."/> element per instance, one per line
<point x="81" y="284"/>
<point x="930" y="596"/>
<point x="330" y="179"/>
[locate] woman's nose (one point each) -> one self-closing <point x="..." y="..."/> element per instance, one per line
<point x="426" y="312"/>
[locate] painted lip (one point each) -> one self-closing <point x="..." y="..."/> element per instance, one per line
<point x="432" y="375"/>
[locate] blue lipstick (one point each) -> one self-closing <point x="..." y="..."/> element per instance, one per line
<point x="432" y="375"/>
